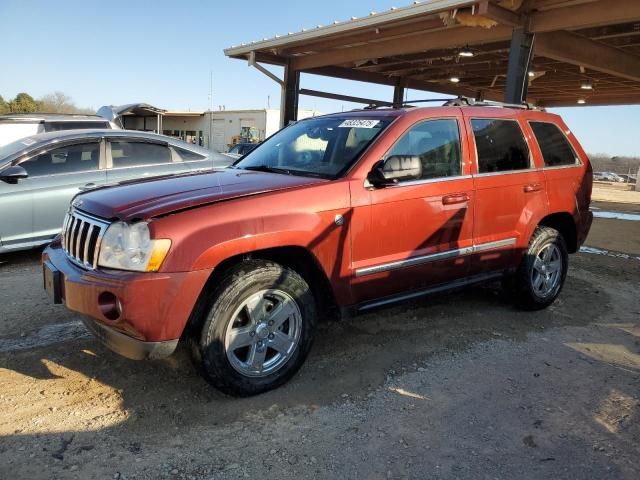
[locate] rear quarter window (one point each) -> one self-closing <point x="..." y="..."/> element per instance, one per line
<point x="500" y="145"/>
<point x="188" y="155"/>
<point x="556" y="149"/>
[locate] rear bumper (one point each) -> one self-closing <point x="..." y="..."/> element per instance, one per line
<point x="138" y="315"/>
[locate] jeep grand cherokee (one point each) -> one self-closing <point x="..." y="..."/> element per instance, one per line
<point x="345" y="212"/>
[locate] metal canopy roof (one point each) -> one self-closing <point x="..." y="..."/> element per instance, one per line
<point x="583" y="49"/>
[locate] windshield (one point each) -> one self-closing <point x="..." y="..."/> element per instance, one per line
<point x="321" y="147"/>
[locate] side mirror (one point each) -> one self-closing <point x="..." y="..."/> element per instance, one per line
<point x="13" y="173"/>
<point x="397" y="168"/>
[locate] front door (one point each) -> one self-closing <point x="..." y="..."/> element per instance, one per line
<point x="418" y="232"/>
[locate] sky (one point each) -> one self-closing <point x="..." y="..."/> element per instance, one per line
<point x="164" y="53"/>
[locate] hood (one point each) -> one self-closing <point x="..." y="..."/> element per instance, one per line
<point x="144" y="199"/>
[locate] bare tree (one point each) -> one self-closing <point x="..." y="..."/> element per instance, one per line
<point x="60" y="102"/>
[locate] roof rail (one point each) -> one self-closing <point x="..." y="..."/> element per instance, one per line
<point x="468" y="102"/>
<point x="472" y="102"/>
<point x="459" y="102"/>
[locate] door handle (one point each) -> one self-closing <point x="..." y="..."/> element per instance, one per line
<point x="532" y="187"/>
<point x="455" y="198"/>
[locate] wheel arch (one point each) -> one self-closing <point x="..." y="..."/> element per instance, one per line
<point x="564" y="223"/>
<point x="294" y="257"/>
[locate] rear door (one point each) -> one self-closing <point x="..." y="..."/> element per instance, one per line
<point x="55" y="177"/>
<point x="509" y="192"/>
<point x="130" y="158"/>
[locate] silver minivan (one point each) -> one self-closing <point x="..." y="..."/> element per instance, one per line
<point x="39" y="175"/>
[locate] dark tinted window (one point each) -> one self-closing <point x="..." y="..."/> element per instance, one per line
<point x="437" y="143"/>
<point x="555" y="147"/>
<point x="187" y="155"/>
<point x="57" y="126"/>
<point x="131" y="154"/>
<point x="500" y="145"/>
<point x="73" y="158"/>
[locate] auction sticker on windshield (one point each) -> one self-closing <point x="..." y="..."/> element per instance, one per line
<point x="359" y="124"/>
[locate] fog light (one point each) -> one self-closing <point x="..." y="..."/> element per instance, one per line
<point x="109" y="306"/>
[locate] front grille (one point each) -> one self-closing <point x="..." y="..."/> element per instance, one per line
<point x="81" y="236"/>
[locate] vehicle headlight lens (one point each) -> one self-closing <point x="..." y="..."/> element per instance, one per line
<point x="130" y="247"/>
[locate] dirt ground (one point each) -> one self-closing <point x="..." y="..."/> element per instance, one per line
<point x="459" y="386"/>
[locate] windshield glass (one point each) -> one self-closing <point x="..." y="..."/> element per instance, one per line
<point x="321" y="147"/>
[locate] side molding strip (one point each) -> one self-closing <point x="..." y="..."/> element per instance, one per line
<point x="434" y="257"/>
<point x="429" y="291"/>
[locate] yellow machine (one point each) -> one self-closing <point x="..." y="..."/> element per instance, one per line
<point x="247" y="135"/>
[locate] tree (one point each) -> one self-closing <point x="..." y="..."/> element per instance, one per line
<point x="23" y="103"/>
<point x="57" y="102"/>
<point x="60" y="102"/>
<point x="4" y="106"/>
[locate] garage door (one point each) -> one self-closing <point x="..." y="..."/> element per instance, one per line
<point x="218" y="136"/>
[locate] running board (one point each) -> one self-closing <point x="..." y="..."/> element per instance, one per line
<point x="443" y="287"/>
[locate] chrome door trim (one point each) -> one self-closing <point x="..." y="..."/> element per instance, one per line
<point x="434" y="257"/>
<point x="483" y="247"/>
<point x="412" y="183"/>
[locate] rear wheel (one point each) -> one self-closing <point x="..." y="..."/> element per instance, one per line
<point x="543" y="270"/>
<point x="258" y="330"/>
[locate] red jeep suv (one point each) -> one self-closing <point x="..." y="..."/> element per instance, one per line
<point x="341" y="213"/>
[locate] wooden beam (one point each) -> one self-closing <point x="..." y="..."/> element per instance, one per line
<point x="603" y="100"/>
<point x="370" y="77"/>
<point x="501" y="15"/>
<point x="451" y="38"/>
<point x="345" y="98"/>
<point x="578" y="50"/>
<point x="573" y="17"/>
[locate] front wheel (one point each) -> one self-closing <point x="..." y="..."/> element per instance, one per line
<point x="543" y="270"/>
<point x="258" y="330"/>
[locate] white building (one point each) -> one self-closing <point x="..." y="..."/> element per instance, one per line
<point x="215" y="129"/>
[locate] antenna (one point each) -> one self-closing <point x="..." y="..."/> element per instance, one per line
<point x="210" y="90"/>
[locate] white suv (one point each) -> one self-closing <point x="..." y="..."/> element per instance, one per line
<point x="19" y="125"/>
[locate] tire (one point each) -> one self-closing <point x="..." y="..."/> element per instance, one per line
<point x="258" y="329"/>
<point x="543" y="270"/>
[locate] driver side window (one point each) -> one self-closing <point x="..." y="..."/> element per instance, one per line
<point x="436" y="143"/>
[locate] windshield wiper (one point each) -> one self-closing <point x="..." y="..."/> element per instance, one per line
<point x="266" y="168"/>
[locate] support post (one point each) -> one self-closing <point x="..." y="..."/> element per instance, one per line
<point x="520" y="55"/>
<point x="289" y="97"/>
<point x="398" y="92"/>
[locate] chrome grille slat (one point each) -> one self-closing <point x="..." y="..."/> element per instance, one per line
<point x="82" y="235"/>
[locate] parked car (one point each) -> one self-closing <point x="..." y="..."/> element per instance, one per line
<point x="39" y="175"/>
<point x="241" y="149"/>
<point x="341" y="213"/>
<point x="608" y="177"/>
<point x="19" y="125"/>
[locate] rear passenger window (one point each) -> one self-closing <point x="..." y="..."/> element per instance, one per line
<point x="437" y="143"/>
<point x="132" y="154"/>
<point x="500" y="145"/>
<point x="556" y="149"/>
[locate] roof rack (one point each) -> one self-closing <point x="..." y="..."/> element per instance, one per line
<point x="471" y="102"/>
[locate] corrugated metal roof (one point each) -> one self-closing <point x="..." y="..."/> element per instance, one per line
<point x="418" y="8"/>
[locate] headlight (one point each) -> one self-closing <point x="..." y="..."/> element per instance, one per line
<point x="129" y="247"/>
